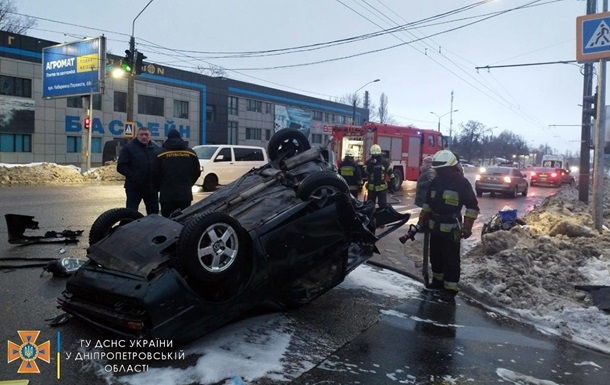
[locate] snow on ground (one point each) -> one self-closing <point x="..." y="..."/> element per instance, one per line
<point x="527" y="272"/>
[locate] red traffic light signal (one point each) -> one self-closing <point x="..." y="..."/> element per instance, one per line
<point x="87" y="123"/>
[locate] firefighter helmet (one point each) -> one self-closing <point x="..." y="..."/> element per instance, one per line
<point x="375" y="150"/>
<point x="349" y="153"/>
<point x="444" y="158"/>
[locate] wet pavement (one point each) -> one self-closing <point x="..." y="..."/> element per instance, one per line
<point x="425" y="341"/>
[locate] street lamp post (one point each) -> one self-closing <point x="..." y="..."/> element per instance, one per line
<point x="354" y="102"/>
<point x="131" y="79"/>
<point x="439" y="123"/>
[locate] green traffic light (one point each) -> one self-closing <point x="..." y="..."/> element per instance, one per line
<point x="126" y="67"/>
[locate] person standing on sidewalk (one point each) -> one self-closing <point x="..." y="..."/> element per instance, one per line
<point x="174" y="173"/>
<point x="426" y="174"/>
<point x="135" y="163"/>
<point x="441" y="214"/>
<point x="350" y="171"/>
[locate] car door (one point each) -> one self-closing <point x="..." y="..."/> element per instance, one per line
<point x="521" y="181"/>
<point x="223" y="164"/>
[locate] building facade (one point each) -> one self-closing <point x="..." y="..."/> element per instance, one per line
<point x="204" y="109"/>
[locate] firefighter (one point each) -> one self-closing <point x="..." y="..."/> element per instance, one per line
<point x="441" y="214"/>
<point x="377" y="169"/>
<point x="350" y="171"/>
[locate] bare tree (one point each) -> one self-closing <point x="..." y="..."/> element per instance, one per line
<point x="212" y="70"/>
<point x="383" y="108"/>
<point x="11" y="22"/>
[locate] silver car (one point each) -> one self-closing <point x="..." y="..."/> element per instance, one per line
<point x="504" y="180"/>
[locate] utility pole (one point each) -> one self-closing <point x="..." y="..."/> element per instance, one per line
<point x="585" y="131"/>
<point x="598" y="162"/>
<point x="450" y="118"/>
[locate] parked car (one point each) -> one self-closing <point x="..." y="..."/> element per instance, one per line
<point x="280" y="235"/>
<point x="504" y="180"/>
<point x="223" y="163"/>
<point x="550" y="176"/>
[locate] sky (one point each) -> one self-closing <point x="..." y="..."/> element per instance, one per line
<point x="419" y="67"/>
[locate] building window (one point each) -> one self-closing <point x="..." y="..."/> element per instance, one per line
<point x="332" y="118"/>
<point x="317" y="138"/>
<point x="326" y="117"/>
<point x="210" y="113"/>
<point x="120" y="101"/>
<point x="10" y="85"/>
<point x="150" y="105"/>
<point x="340" y="119"/>
<point x="232" y="135"/>
<point x="253" y="133"/>
<point x="181" y="109"/>
<point x="96" y="145"/>
<point x="318" y="115"/>
<point x="77" y="102"/>
<point x="74" y="144"/>
<point x="233" y="105"/>
<point x="254" y="105"/>
<point x="268" y="109"/>
<point x="267" y="134"/>
<point x="15" y="143"/>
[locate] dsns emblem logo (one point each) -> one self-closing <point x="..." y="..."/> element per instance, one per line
<point x="28" y="351"/>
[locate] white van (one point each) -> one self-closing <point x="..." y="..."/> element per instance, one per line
<point x="223" y="163"/>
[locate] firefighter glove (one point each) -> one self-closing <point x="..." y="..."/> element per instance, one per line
<point x="467" y="227"/>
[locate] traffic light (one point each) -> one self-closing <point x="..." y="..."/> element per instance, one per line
<point x="87" y="123"/>
<point x="590" y="105"/>
<point x="127" y="62"/>
<point x="138" y="65"/>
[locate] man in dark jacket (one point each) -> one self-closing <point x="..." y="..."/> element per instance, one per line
<point x="426" y="174"/>
<point x="441" y="214"/>
<point x="174" y="173"/>
<point x="350" y="171"/>
<point x="135" y="162"/>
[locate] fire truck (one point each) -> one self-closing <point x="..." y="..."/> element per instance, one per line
<point x="405" y="147"/>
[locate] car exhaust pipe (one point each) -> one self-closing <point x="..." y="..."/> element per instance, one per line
<point x="299" y="159"/>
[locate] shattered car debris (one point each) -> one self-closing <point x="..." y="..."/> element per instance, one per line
<point x="17" y="224"/>
<point x="281" y="235"/>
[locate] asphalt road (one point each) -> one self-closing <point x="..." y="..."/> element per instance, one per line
<point x="28" y="301"/>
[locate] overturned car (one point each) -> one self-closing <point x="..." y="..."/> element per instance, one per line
<point x="281" y="235"/>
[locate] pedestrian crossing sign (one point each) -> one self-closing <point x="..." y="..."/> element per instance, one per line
<point x="128" y="129"/>
<point x="593" y="37"/>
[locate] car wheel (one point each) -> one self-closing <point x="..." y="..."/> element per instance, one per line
<point x="398" y="179"/>
<point x="214" y="247"/>
<point x="321" y="184"/>
<point x="572" y="182"/>
<point x="210" y="182"/>
<point x="524" y="193"/>
<point x="479" y="193"/>
<point x="286" y="143"/>
<point x="515" y="192"/>
<point x="109" y="221"/>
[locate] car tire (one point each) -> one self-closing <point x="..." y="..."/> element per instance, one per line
<point x="524" y="193"/>
<point x="109" y="221"/>
<point x="399" y="177"/>
<point x="210" y="182"/>
<point x="515" y="192"/>
<point x="479" y="193"/>
<point x="286" y="143"/>
<point x="214" y="247"/>
<point x="321" y="184"/>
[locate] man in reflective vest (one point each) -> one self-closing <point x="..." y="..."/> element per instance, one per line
<point x="377" y="170"/>
<point x="350" y="171"/>
<point x="441" y="214"/>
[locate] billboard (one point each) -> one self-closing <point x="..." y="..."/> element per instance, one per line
<point x="290" y="117"/>
<point x="73" y="69"/>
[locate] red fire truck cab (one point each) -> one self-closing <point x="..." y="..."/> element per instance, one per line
<point x="405" y="147"/>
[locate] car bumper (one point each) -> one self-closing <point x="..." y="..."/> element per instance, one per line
<point x="493" y="187"/>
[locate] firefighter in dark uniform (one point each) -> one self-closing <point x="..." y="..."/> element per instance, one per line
<point x="377" y="169"/>
<point x="441" y="214"/>
<point x="350" y="171"/>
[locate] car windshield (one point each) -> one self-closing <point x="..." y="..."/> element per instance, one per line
<point x="205" y="152"/>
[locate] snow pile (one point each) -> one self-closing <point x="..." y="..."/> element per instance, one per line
<point x="51" y="173"/>
<point x="531" y="270"/>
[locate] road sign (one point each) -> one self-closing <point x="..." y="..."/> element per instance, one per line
<point x="128" y="129"/>
<point x="593" y="37"/>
